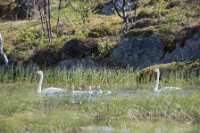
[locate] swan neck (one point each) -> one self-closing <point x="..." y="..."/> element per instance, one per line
<point x="1" y="40"/>
<point x="39" y="89"/>
<point x="157" y="81"/>
<point x="4" y="57"/>
<point x="73" y="90"/>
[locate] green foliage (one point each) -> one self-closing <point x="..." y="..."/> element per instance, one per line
<point x="104" y="47"/>
<point x="81" y="35"/>
<point x="58" y="41"/>
<point x="28" y="36"/>
<point x="101" y="31"/>
<point x="160" y="6"/>
<point x="32" y="37"/>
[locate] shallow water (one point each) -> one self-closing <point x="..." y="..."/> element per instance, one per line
<point x="145" y="127"/>
<point x="128" y="93"/>
<point x="136" y="92"/>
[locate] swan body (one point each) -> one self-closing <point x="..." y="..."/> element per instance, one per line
<point x="109" y="92"/>
<point x="94" y="94"/>
<point x="164" y="89"/>
<point x="90" y="91"/>
<point x="48" y="91"/>
<point x="97" y="89"/>
<point x="1" y="51"/>
<point x="74" y="92"/>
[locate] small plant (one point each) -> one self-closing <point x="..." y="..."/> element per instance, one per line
<point x="81" y="35"/>
<point x="104" y="47"/>
<point x="31" y="37"/>
<point x="28" y="36"/>
<point x="160" y="7"/>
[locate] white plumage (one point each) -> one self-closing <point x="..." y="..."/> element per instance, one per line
<point x="47" y="91"/>
<point x="164" y="89"/>
<point x="1" y="51"/>
<point x="95" y="89"/>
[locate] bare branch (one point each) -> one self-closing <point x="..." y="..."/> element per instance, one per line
<point x="116" y="9"/>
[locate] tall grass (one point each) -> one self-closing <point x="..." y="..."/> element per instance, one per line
<point x="107" y="78"/>
<point x="114" y="78"/>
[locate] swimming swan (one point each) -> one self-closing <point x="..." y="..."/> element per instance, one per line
<point x="48" y="91"/>
<point x="79" y="91"/>
<point x="1" y="51"/>
<point x="97" y="89"/>
<point x="164" y="89"/>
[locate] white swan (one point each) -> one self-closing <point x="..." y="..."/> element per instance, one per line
<point x="94" y="93"/>
<point x="76" y="91"/>
<point x="1" y="51"/>
<point x="48" y="91"/>
<point x="97" y="89"/>
<point x="164" y="89"/>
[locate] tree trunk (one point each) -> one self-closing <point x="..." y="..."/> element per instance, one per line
<point x="46" y="19"/>
<point x="49" y="20"/>
<point x="42" y="20"/>
<point x="58" y="21"/>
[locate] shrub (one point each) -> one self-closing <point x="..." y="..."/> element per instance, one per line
<point x="104" y="47"/>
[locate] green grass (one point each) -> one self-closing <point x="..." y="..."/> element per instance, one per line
<point x="23" y="110"/>
<point x="77" y="76"/>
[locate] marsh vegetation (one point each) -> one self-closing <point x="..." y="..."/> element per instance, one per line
<point x="22" y="110"/>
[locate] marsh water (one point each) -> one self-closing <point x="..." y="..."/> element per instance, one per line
<point x="159" y="126"/>
<point x="128" y="93"/>
<point x="115" y="110"/>
<point x="125" y="106"/>
<point x="145" y="127"/>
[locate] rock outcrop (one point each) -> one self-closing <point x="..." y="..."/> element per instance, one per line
<point x="142" y="51"/>
<point x="79" y="49"/>
<point x="190" y="51"/>
<point x="19" y="9"/>
<point x="139" y="51"/>
<point x="74" y="52"/>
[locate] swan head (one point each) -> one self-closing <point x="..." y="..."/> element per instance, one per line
<point x="99" y="89"/>
<point x="72" y="87"/>
<point x="156" y="70"/>
<point x="39" y="72"/>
